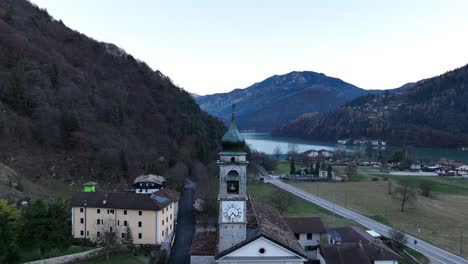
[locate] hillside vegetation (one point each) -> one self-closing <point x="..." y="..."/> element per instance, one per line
<point x="434" y="112"/>
<point x="75" y="109"/>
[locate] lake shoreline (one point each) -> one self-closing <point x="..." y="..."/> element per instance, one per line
<point x="265" y="142"/>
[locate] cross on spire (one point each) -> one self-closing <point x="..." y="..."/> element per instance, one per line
<point x="233" y="110"/>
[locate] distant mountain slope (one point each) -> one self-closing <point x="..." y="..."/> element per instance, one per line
<point x="433" y="112"/>
<point x="280" y="98"/>
<point x="77" y="109"/>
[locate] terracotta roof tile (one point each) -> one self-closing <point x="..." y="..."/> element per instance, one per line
<point x="306" y="224"/>
<point x="204" y="243"/>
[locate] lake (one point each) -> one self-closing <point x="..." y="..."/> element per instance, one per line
<point x="264" y="142"/>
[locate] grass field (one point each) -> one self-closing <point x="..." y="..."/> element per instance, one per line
<point x="122" y="259"/>
<point x="437" y="218"/>
<point x="298" y="207"/>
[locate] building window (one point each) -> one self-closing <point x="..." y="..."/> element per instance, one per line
<point x="98" y="211"/>
<point x="139" y="223"/>
<point x="110" y="211"/>
<point x="162" y="234"/>
<point x="170" y="216"/>
<point x="296" y="235"/>
<point x="167" y="219"/>
<point x="87" y="233"/>
<point x="81" y="233"/>
<point x="98" y="234"/>
<point x="170" y="227"/>
<point x="118" y="222"/>
<point x="233" y="159"/>
<point x="309" y="236"/>
<point x="309" y="248"/>
<point x="98" y="221"/>
<point x="261" y="251"/>
<point x="82" y="220"/>
<point x="110" y="229"/>
<point x="81" y="210"/>
<point x="170" y="206"/>
<point x="125" y="223"/>
<point x="140" y="213"/>
<point x="163" y="222"/>
<point x="139" y="235"/>
<point x="123" y="235"/>
<point x="125" y="212"/>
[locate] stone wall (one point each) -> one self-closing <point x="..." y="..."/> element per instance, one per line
<point x="71" y="258"/>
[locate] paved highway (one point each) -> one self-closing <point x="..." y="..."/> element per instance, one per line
<point x="436" y="254"/>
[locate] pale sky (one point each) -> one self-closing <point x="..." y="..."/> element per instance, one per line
<point x="215" y="46"/>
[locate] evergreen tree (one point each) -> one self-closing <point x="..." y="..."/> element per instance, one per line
<point x="329" y="172"/>
<point x="123" y="163"/>
<point x="292" y="167"/>
<point x="129" y="239"/>
<point x="317" y="168"/>
<point x="9" y="228"/>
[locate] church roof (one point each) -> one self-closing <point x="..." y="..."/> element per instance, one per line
<point x="262" y="221"/>
<point x="204" y="244"/>
<point x="233" y="139"/>
<point x="272" y="224"/>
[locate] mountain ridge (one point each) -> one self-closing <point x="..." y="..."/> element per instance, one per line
<point x="262" y="105"/>
<point x="432" y="112"/>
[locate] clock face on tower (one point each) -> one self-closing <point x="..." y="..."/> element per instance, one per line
<point x="233" y="211"/>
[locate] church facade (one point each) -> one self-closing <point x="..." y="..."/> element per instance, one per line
<point x="249" y="231"/>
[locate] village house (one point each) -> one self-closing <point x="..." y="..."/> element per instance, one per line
<point x="198" y="203"/>
<point x="353" y="245"/>
<point x="151" y="217"/>
<point x="308" y="231"/>
<point x="323" y="153"/>
<point x="148" y="183"/>
<point x="415" y="167"/>
<point x="462" y="170"/>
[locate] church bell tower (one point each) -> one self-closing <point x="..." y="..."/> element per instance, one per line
<point x="232" y="189"/>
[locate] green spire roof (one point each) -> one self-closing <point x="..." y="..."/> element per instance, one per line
<point x="233" y="138"/>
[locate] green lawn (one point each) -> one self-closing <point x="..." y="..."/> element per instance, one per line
<point x="420" y="257"/>
<point x="437" y="218"/>
<point x="31" y="255"/>
<point x="298" y="207"/>
<point x="441" y="185"/>
<point x="122" y="259"/>
<point x="283" y="167"/>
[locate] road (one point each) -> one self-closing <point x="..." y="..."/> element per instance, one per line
<point x="436" y="254"/>
<point x="180" y="252"/>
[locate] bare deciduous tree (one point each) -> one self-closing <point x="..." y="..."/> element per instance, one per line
<point x="405" y="193"/>
<point x="351" y="170"/>
<point x="277" y="152"/>
<point x="398" y="237"/>
<point x="280" y="200"/>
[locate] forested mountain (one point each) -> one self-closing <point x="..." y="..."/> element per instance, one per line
<point x="433" y="112"/>
<point x="280" y="98"/>
<point x="75" y="108"/>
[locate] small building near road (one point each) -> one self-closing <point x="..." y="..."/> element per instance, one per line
<point x="89" y="186"/>
<point x="462" y="170"/>
<point x="148" y="183"/>
<point x="308" y="231"/>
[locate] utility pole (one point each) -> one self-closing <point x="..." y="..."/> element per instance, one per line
<point x="461" y="239"/>
<point x="334" y="203"/>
